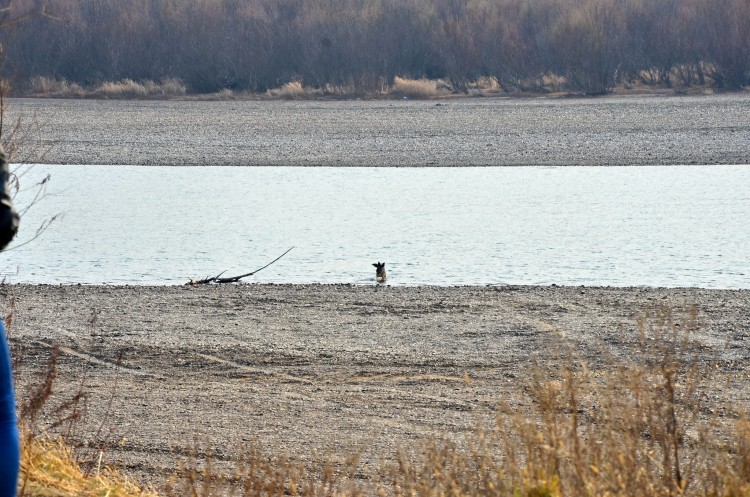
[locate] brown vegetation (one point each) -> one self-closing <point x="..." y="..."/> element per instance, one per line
<point x="257" y="45"/>
<point x="411" y="88"/>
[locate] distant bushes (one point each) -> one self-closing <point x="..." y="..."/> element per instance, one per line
<point x="592" y="46"/>
<point x="127" y="88"/>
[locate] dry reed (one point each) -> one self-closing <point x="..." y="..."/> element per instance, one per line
<point x="128" y="88"/>
<point x="49" y="468"/>
<point x="414" y="88"/>
<point x="47" y="87"/>
<point x="289" y="91"/>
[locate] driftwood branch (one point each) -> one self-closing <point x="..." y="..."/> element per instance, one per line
<point x="232" y="279"/>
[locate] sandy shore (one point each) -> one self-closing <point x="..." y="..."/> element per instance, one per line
<point x="336" y="369"/>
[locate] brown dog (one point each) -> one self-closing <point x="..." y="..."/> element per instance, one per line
<point x="380" y="275"/>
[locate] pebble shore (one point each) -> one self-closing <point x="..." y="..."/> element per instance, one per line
<point x="333" y="369"/>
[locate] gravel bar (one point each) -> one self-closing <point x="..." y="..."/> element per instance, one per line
<point x="339" y="369"/>
<point x="605" y="131"/>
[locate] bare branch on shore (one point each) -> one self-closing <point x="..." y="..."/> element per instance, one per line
<point x="232" y="279"/>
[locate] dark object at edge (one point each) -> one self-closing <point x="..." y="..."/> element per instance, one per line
<point x="8" y="215"/>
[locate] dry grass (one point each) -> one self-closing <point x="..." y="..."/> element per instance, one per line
<point x="169" y="87"/>
<point x="642" y="428"/>
<point x="256" y="474"/>
<point x="128" y="88"/>
<point x="225" y="94"/>
<point x="289" y="91"/>
<point x="40" y="86"/>
<point x="48" y="87"/>
<point x="49" y="468"/>
<point x="484" y="86"/>
<point x="639" y="431"/>
<point x="489" y="86"/>
<point x="295" y="90"/>
<point x="421" y="89"/>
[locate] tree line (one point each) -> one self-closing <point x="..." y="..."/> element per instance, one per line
<point x="254" y="45"/>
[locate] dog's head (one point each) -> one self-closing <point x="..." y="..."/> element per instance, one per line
<point x="380" y="269"/>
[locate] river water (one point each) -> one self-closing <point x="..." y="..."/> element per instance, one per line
<point x="668" y="226"/>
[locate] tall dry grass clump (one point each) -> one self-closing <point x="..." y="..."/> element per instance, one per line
<point x="289" y="91"/>
<point x="49" y="87"/>
<point x="50" y="468"/>
<point x="127" y="88"/>
<point x="414" y="88"/>
<point x="167" y="87"/>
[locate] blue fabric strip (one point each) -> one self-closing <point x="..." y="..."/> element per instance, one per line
<point x="9" y="446"/>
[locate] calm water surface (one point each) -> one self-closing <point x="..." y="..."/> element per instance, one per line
<point x="653" y="226"/>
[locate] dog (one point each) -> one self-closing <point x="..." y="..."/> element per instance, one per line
<point x="380" y="275"/>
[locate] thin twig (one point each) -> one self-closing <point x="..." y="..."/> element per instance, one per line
<point x="233" y="279"/>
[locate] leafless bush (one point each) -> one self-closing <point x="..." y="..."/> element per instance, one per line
<point x="289" y="91"/>
<point x="225" y="94"/>
<point x="414" y="88"/>
<point x="127" y="88"/>
<point x="168" y="87"/>
<point x="47" y="87"/>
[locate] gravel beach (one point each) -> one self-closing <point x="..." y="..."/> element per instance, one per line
<point x="332" y="370"/>
<point x="607" y="131"/>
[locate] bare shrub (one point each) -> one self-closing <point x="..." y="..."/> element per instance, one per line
<point x="288" y="91"/>
<point x="347" y="90"/>
<point x="691" y="74"/>
<point x="414" y="88"/>
<point x="728" y="41"/>
<point x="551" y="82"/>
<point x="49" y="87"/>
<point x="127" y="88"/>
<point x="588" y="44"/>
<point x="49" y="468"/>
<point x="225" y="94"/>
<point x="169" y="87"/>
<point x="487" y="83"/>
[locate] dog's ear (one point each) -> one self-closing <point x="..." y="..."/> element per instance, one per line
<point x="375" y="265"/>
